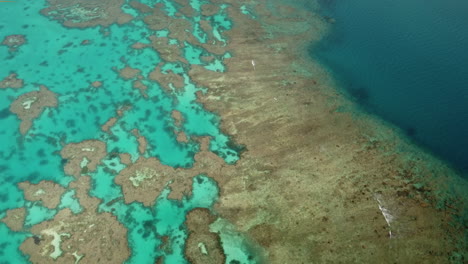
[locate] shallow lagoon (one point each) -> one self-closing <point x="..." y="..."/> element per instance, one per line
<point x="67" y="61"/>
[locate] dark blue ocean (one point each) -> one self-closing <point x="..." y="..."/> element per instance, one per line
<point x="407" y="62"/>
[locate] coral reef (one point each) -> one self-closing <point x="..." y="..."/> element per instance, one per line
<point x="167" y="78"/>
<point x="178" y="118"/>
<point x="83" y="157"/>
<point x="11" y="81"/>
<point x="311" y="179"/>
<point x="202" y="246"/>
<point x="144" y="180"/>
<point x="68" y="238"/>
<point x="13" y="42"/>
<point x="46" y="191"/>
<point x="209" y="9"/>
<point x="137" y="84"/>
<point x="110" y="123"/>
<point x="128" y="73"/>
<point x="96" y="84"/>
<point x="81" y="14"/>
<point x="168" y="52"/>
<point x="30" y="105"/>
<point x="151" y="177"/>
<point x="310" y="173"/>
<point x="142" y="142"/>
<point x="14" y="218"/>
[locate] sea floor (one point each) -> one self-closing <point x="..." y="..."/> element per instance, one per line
<point x="201" y="132"/>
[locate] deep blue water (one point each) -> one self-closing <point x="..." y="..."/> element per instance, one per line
<point x="406" y="61"/>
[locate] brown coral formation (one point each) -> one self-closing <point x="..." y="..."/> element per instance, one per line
<point x="113" y="120"/>
<point x="158" y="20"/>
<point x="209" y="9"/>
<point x="144" y="180"/>
<point x="96" y="84"/>
<point x="13" y="42"/>
<point x="14" y="218"/>
<point x="142" y="142"/>
<point x="88" y="237"/>
<point x="83" y="157"/>
<point x="48" y="192"/>
<point x="182" y="137"/>
<point x="202" y="246"/>
<point x="314" y="182"/>
<point x="82" y="14"/>
<point x="167" y="78"/>
<point x="178" y="122"/>
<point x="168" y="52"/>
<point x="139" y="45"/>
<point x="142" y="8"/>
<point x="11" y="81"/>
<point x="128" y="73"/>
<point x="109" y="123"/>
<point x="82" y="186"/>
<point x="212" y="45"/>
<point x="181" y="30"/>
<point x="69" y="238"/>
<point x="185" y="8"/>
<point x="178" y="118"/>
<point x="126" y="159"/>
<point x="30" y="105"/>
<point x="137" y="84"/>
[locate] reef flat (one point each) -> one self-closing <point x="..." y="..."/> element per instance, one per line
<point x="319" y="183"/>
<point x="195" y="131"/>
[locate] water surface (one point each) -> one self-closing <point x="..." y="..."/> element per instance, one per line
<point x="407" y="62"/>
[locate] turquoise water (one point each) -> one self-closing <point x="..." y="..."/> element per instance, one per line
<point x="407" y="62"/>
<point x="54" y="57"/>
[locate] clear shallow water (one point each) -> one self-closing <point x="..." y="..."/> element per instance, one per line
<point x="407" y="62"/>
<point x="54" y="57"/>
